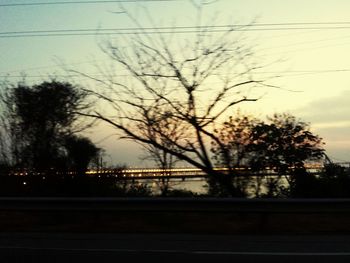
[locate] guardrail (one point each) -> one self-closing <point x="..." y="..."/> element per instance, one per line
<point x="204" y="204"/>
<point x="176" y="215"/>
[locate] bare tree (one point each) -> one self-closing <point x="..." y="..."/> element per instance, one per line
<point x="191" y="82"/>
<point x="163" y="159"/>
<point x="235" y="150"/>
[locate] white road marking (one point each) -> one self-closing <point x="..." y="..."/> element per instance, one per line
<point x="254" y="253"/>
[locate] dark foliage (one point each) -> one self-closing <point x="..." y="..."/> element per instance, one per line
<point x="40" y="123"/>
<point x="80" y="151"/>
<point x="180" y="193"/>
<point x="41" y="115"/>
<point x="282" y="145"/>
<point x="70" y="186"/>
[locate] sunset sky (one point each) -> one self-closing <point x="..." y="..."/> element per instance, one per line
<point x="304" y="45"/>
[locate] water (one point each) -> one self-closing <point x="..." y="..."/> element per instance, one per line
<point x="197" y="185"/>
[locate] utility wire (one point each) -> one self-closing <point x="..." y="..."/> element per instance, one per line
<point x="81" y="2"/>
<point x="305" y="42"/>
<point x="227" y="27"/>
<point x="141" y="31"/>
<point x="117" y="29"/>
<point x="287" y="72"/>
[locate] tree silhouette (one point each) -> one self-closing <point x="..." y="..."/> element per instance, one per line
<point x="38" y="118"/>
<point x="283" y="144"/>
<point x="152" y="129"/>
<point x="175" y="76"/>
<point x="80" y="152"/>
<point x="233" y="149"/>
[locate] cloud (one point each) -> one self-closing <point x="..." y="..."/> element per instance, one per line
<point x="330" y="119"/>
<point x="333" y="109"/>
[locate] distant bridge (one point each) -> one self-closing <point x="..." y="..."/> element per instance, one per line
<point x="179" y="173"/>
<point x="183" y="173"/>
<point x="151" y="173"/>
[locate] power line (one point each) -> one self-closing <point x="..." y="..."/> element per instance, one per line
<point x="301" y="73"/>
<point x="305" y="42"/>
<point x="305" y="71"/>
<point x="80" y="2"/>
<point x="243" y="26"/>
<point x="287" y="72"/>
<point x="165" y="30"/>
<point x="309" y="48"/>
<point x="90" y="61"/>
<point x="117" y="29"/>
<point x="50" y="66"/>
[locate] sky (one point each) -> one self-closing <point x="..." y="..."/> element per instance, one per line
<point x="310" y="65"/>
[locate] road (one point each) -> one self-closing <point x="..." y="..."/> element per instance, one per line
<point x="83" y="247"/>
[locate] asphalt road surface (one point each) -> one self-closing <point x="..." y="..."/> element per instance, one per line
<point x="80" y="247"/>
